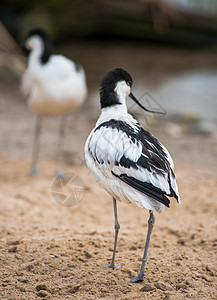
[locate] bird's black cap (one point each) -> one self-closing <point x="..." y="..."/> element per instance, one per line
<point x="108" y="97"/>
<point x="48" y="49"/>
<point x="37" y="31"/>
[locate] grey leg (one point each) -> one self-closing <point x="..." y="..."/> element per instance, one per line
<point x="116" y="227"/>
<point x="36" y="145"/>
<point x="59" y="172"/>
<point x="144" y="259"/>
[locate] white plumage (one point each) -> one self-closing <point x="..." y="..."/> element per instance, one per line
<point x="118" y="138"/>
<point x="126" y="160"/>
<point x="106" y="146"/>
<point x="53" y="85"/>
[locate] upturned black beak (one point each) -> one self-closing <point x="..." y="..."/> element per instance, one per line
<point x="143" y="107"/>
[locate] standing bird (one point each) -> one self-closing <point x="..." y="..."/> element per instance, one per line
<point x="129" y="163"/>
<point x="54" y="85"/>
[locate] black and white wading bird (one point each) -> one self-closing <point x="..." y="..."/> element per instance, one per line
<point x="129" y="163"/>
<point x="54" y="85"/>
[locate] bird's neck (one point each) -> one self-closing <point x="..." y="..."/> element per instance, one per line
<point x="118" y="111"/>
<point x="36" y="54"/>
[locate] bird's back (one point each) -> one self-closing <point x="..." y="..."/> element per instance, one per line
<point x="57" y="87"/>
<point x="131" y="164"/>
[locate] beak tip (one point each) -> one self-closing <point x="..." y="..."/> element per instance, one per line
<point x="144" y="108"/>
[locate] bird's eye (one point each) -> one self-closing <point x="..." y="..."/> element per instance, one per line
<point x="128" y="83"/>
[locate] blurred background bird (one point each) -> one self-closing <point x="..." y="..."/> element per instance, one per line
<point x="54" y="85"/>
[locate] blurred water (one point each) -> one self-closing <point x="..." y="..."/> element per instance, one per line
<point x="208" y="6"/>
<point x="183" y="81"/>
<point x="193" y="93"/>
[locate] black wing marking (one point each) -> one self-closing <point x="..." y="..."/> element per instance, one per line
<point x="153" y="159"/>
<point x="153" y="155"/>
<point x="145" y="188"/>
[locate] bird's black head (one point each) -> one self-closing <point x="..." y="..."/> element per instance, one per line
<point x="39" y="34"/>
<point x="108" y="94"/>
<point x="115" y="87"/>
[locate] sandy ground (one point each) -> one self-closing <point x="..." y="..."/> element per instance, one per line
<point x="53" y="252"/>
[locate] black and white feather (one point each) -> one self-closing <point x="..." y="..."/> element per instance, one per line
<point x="131" y="164"/>
<point x="53" y="84"/>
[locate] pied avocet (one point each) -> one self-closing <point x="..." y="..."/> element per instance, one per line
<point x="53" y="84"/>
<point x="127" y="161"/>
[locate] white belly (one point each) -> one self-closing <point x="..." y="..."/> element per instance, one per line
<point x="49" y="105"/>
<point x="53" y="90"/>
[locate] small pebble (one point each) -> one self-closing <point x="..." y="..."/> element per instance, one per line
<point x="181" y="242"/>
<point x="181" y="286"/>
<point x="74" y="289"/>
<point x="43" y="294"/>
<point x="87" y="255"/>
<point x="210" y="270"/>
<point x="161" y="286"/>
<point x="190" y="282"/>
<point x="147" y="288"/>
<point x="41" y="287"/>
<point x="13" y="243"/>
<point x="12" y="249"/>
<point x="178" y="257"/>
<point x="24" y="280"/>
<point x="111" y="250"/>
